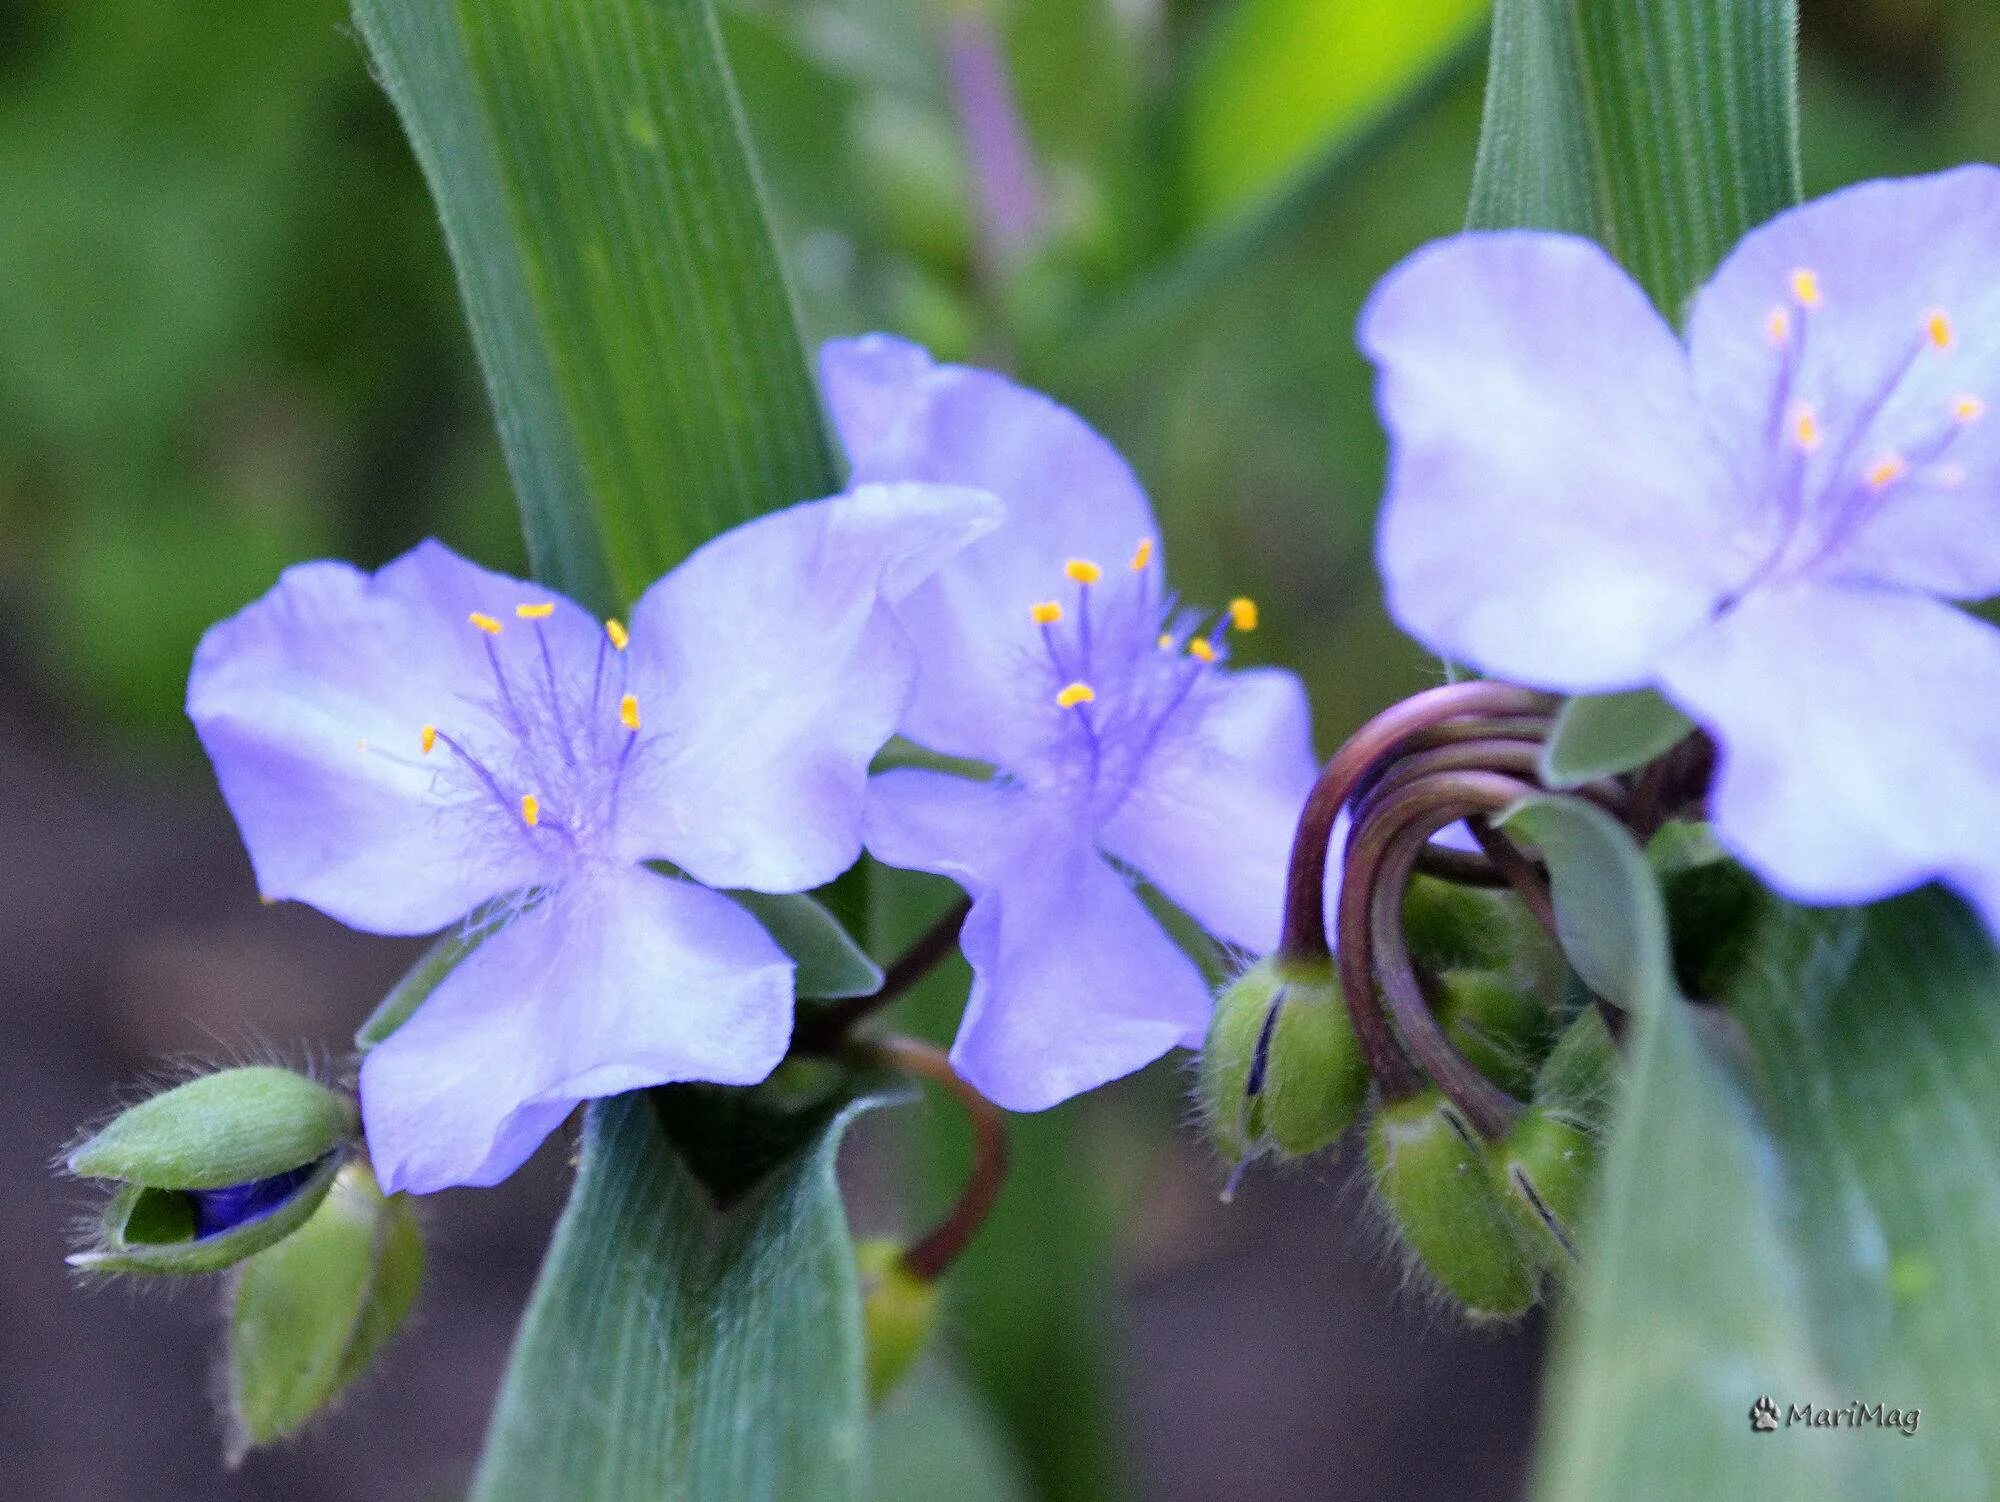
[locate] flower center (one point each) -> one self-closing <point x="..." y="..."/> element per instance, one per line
<point x="1896" y="436"/>
<point x="1119" y="660"/>
<point x="547" y="757"/>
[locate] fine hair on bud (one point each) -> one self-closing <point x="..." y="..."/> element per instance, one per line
<point x="1281" y="1071"/>
<point x="1434" y="1184"/>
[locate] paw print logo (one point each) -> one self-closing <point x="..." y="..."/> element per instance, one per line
<point x="1763" y="1416"/>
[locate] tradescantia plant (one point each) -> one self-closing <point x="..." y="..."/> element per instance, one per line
<point x="1573" y="965"/>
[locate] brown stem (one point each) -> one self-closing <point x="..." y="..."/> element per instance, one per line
<point x="1489" y="1108"/>
<point x="823" y="1029"/>
<point x="1304" y="935"/>
<point x="930" y="1258"/>
<point x="1521" y="873"/>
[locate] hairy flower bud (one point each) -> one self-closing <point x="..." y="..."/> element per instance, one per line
<point x="308" y="1315"/>
<point x="214" y="1170"/>
<point x="1542" y="1171"/>
<point x="1504" y="1029"/>
<point x="1281" y="1070"/>
<point x="233" y="1127"/>
<point x="898" y="1313"/>
<point x="1431" y="1172"/>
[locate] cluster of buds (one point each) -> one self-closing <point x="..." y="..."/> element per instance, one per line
<point x="258" y="1173"/>
<point x="1445" y="1011"/>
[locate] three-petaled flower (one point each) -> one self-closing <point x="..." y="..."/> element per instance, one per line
<point x="1052" y="651"/>
<point x="1766" y="522"/>
<point x="405" y="748"/>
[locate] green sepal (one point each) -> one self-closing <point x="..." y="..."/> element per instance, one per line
<point x="1503" y="1028"/>
<point x="1431" y="1173"/>
<point x="232" y="1127"/>
<point x="1581" y="1076"/>
<point x="151" y="1230"/>
<point x="1602" y="735"/>
<point x="1281" y="1069"/>
<point x="831" y="966"/>
<point x="1542" y="1171"/>
<point x="898" y="1313"/>
<point x="309" y="1314"/>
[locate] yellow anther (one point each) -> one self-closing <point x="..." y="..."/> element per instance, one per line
<point x="1805" y="287"/>
<point x="1886" y="471"/>
<point x="1143" y="554"/>
<point x="618" y="634"/>
<point x="1076" y="693"/>
<point x="1166" y="641"/>
<point x="484" y="622"/>
<point x="538" y="612"/>
<point x="1201" y="648"/>
<point x="1045" y="612"/>
<point x="1083" y="571"/>
<point x="1805" y="429"/>
<point x="1967" y="408"/>
<point x="428" y="738"/>
<point x="531" y="810"/>
<point x="1937" y="328"/>
<point x="1243" y="613"/>
<point x="1778" y="325"/>
<point x="628" y="711"/>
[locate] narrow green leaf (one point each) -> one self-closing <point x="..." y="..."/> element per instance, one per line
<point x="1664" y="128"/>
<point x="1285" y="83"/>
<point x="1688" y="1308"/>
<point x="677" y="1346"/>
<point x="1609" y="916"/>
<point x="1816" y="1230"/>
<point x="831" y="965"/>
<point x="1601" y="735"/>
<point x="428" y="973"/>
<point x="588" y="160"/>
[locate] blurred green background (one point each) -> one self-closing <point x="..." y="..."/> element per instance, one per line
<point x="229" y="340"/>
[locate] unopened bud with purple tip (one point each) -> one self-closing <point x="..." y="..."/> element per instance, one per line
<point x="213" y="1170"/>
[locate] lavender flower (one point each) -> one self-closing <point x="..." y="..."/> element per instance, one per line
<point x="1052" y="651"/>
<point x="1765" y="523"/>
<point x="402" y="748"/>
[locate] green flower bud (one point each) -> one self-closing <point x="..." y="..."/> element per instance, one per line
<point x="1281" y="1069"/>
<point x="1431" y="1172"/>
<point x="147" y="1229"/>
<point x="1504" y="1029"/>
<point x="307" y="1316"/>
<point x="898" y="1313"/>
<point x="1453" y="927"/>
<point x="238" y="1126"/>
<point x="1542" y="1171"/>
<point x="1581" y="1073"/>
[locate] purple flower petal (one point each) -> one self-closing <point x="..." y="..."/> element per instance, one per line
<point x="1860" y="750"/>
<point x="777" y="666"/>
<point x="1552" y="514"/>
<point x="1211" y="818"/>
<point x="311" y="703"/>
<point x="1074" y="983"/>
<point x="613" y="983"/>
<point x="1873" y="310"/>
<point x="1068" y="495"/>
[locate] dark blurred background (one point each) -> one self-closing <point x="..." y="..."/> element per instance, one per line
<point x="229" y="340"/>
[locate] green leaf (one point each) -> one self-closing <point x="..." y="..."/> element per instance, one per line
<point x="1284" y="84"/>
<point x="831" y="965"/>
<point x="424" y="977"/>
<point x="588" y="160"/>
<point x="309" y="1314"/>
<point x="1601" y="735"/>
<point x="680" y="1345"/>
<point x="1687" y="1309"/>
<point x="1609" y="916"/>
<point x="1665" y="130"/>
<point x="231" y="1127"/>
<point x="935" y="1438"/>
<point x="1820" y="1232"/>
